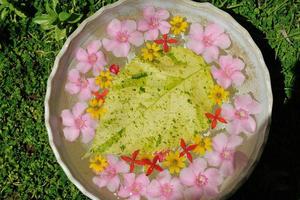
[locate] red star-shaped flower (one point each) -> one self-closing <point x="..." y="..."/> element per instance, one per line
<point x="162" y="155"/>
<point x="132" y="160"/>
<point x="101" y="95"/>
<point x="215" y="118"/>
<point x="186" y="150"/>
<point x="165" y="41"/>
<point x="152" y="165"/>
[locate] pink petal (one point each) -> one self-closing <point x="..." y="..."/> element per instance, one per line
<point x="210" y="191"/>
<point x="73" y="75"/>
<point x="151" y="34"/>
<point x="210" y="54"/>
<point x="81" y="55"/>
<point x="217" y="73"/>
<point x="238" y="64"/>
<point x="193" y="193"/>
<point x="97" y="69"/>
<point x="162" y="14"/>
<point x="225" y="61"/>
<point x="113" y="28"/>
<point x="226" y="168"/>
<point x="234" y="127"/>
<point x="224" y="81"/>
<point x="129" y="179"/>
<point x="199" y="165"/>
<point x="128" y="26"/>
<point x="220" y="141"/>
<point x="195" y="46"/>
<point x="100" y="181"/>
<point x="238" y="78"/>
<point x="149" y="12"/>
<point x="124" y="192"/>
<point x="143" y="179"/>
<point x="89" y="122"/>
<point x="101" y="60"/>
<point x="85" y="94"/>
<point x="214" y="176"/>
<point x="228" y="112"/>
<point x="164" y="177"/>
<point x="143" y="25"/>
<point x="164" y="27"/>
<point x="153" y="189"/>
<point x="122" y="167"/>
<point x="78" y="109"/>
<point x="213" y="158"/>
<point x="213" y="30"/>
<point x="71" y="133"/>
<point x="121" y="50"/>
<point x="92" y="85"/>
<point x="94" y="46"/>
<point x="113" y="184"/>
<point x="187" y="176"/>
<point x="254" y="107"/>
<point x="196" y="31"/>
<point x="242" y="101"/>
<point x="249" y="125"/>
<point x="222" y="41"/>
<point x="109" y="45"/>
<point x="112" y="160"/>
<point x="72" y="88"/>
<point x="67" y="118"/>
<point x="87" y="134"/>
<point x="83" y="67"/>
<point x="136" y="38"/>
<point x="135" y="197"/>
<point x="234" y="141"/>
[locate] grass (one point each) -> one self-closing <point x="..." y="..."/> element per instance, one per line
<point x="28" y="169"/>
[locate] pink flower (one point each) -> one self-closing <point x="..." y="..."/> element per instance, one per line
<point x="224" y="152"/>
<point x="77" y="122"/>
<point x="239" y="118"/>
<point x="78" y="84"/>
<point x="91" y="58"/>
<point x="202" y="181"/>
<point x="207" y="41"/>
<point x="164" y="187"/>
<point x="154" y="22"/>
<point x="110" y="176"/>
<point x="230" y="71"/>
<point x="122" y="34"/>
<point x="134" y="187"/>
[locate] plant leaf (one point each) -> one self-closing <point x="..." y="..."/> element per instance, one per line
<point x="63" y="16"/>
<point x="59" y="34"/>
<point x="44" y="19"/>
<point x="74" y="18"/>
<point x="156" y="110"/>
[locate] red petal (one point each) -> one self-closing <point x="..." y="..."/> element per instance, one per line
<point x="172" y="41"/>
<point x="149" y="171"/>
<point x="165" y="36"/>
<point x="182" y="143"/>
<point x="210" y="116"/>
<point x="191" y="147"/>
<point x="222" y="120"/>
<point x="131" y="167"/>
<point x="158" y="168"/>
<point x="166" y="47"/>
<point x="125" y="158"/>
<point x="182" y="154"/>
<point x="134" y="154"/>
<point x="189" y="156"/>
<point x="213" y="124"/>
<point x="159" y="41"/>
<point x="218" y="112"/>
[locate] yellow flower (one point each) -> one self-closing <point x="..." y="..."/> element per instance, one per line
<point x="95" y="108"/>
<point x="218" y="95"/>
<point x="151" y="51"/>
<point x="203" y="144"/>
<point x="98" y="163"/>
<point x="178" y="25"/>
<point x="104" y="79"/>
<point x="174" y="162"/>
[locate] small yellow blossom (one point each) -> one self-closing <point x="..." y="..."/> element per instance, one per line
<point x="98" y="163"/>
<point x="150" y="52"/>
<point x="218" y="95"/>
<point x="174" y="162"/>
<point x="104" y="79"/>
<point x="95" y="108"/>
<point x="178" y="25"/>
<point x="203" y="144"/>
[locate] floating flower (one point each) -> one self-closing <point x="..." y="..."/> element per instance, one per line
<point x="98" y="163"/>
<point x="101" y="95"/>
<point x="229" y="72"/>
<point x="110" y="176"/>
<point x="174" y="162"/>
<point x="154" y="22"/>
<point x="150" y="52"/>
<point x="91" y="58"/>
<point x="203" y="145"/>
<point x="134" y="187"/>
<point x="165" y="41"/>
<point x="77" y="122"/>
<point x="208" y="40"/>
<point x="115" y="69"/>
<point x="215" y="118"/>
<point x="132" y="160"/>
<point x="104" y="79"/>
<point x="162" y="155"/>
<point x="152" y="165"/>
<point x="78" y="84"/>
<point x="95" y="108"/>
<point x="218" y="95"/>
<point x="164" y="187"/>
<point x="122" y="34"/>
<point x="223" y="154"/>
<point x="178" y="25"/>
<point x="186" y="150"/>
<point x="202" y="181"/>
<point x="239" y="118"/>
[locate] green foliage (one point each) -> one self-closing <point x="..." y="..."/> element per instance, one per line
<point x="28" y="169"/>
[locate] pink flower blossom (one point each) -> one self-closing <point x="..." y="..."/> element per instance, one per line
<point x="122" y="34"/>
<point x="224" y="152"/>
<point x="202" y="181"/>
<point x="134" y="187"/>
<point x="91" y="58"/>
<point x="77" y="122"/>
<point x="154" y="22"/>
<point x="208" y="40"/>
<point x="239" y="118"/>
<point x="164" y="187"/>
<point x="110" y="176"/>
<point x="229" y="72"/>
<point x="78" y="84"/>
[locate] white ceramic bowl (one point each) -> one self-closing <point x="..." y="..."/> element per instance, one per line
<point x="69" y="154"/>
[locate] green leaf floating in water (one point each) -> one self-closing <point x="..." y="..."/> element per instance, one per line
<point x="152" y="105"/>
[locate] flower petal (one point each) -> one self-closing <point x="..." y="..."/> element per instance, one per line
<point x="187" y="176"/>
<point x="225" y="61"/>
<point x="113" y="184"/>
<point x="113" y="28"/>
<point x="112" y="160"/>
<point x="85" y="94"/>
<point x="87" y="135"/>
<point x="153" y="189"/>
<point x="210" y="54"/>
<point x="143" y="179"/>
<point x="162" y="14"/>
<point x="199" y="165"/>
<point x="220" y="141"/>
<point x="193" y="193"/>
<point x="128" y="26"/>
<point x="109" y="45"/>
<point x="78" y="109"/>
<point x="196" y="46"/>
<point x="72" y="88"/>
<point x="83" y="67"/>
<point x="81" y="55"/>
<point x="222" y="41"/>
<point x="228" y="112"/>
<point x="249" y="125"/>
<point x="213" y="158"/>
<point x="242" y="101"/>
<point x="121" y="50"/>
<point x="149" y="12"/>
<point x="143" y="25"/>
<point x="213" y="30"/>
<point x="122" y="167"/>
<point x="254" y="107"/>
<point x="151" y="34"/>
<point x="129" y="179"/>
<point x="234" y="141"/>
<point x="71" y="133"/>
<point x="196" y="31"/>
<point x="93" y="47"/>
<point x="100" y="181"/>
<point x="226" y="168"/>
<point x="238" y="78"/>
<point x="164" y="27"/>
<point x="136" y="38"/>
<point x="73" y="75"/>
<point x="214" y="176"/>
<point x="67" y="118"/>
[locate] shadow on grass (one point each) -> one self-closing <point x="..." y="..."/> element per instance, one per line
<point x="277" y="174"/>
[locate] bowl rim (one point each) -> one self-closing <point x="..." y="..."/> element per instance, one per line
<point x="240" y="28"/>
